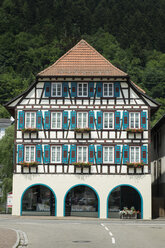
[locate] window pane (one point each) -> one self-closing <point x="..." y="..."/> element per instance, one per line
<point x="32" y="154"/>
<point x="132" y="154"/>
<point x="84" y="120"/>
<point x="27" y="120"/>
<point x="110" y="120"/>
<point x="105" y="90"/>
<point x="53" y="154"/>
<point x="79" y="123"/>
<point x="84" y="89"/>
<point x="58" y="89"/>
<point x="53" y="120"/>
<point x="136" y="120"/>
<point x="58" y="120"/>
<point x="79" y="154"/>
<point x="105" y="154"/>
<point x="80" y="89"/>
<point x="58" y="154"/>
<point x="84" y="154"/>
<point x="105" y="120"/>
<point x="27" y="153"/>
<point x="132" y="120"/>
<point x="110" y="89"/>
<point x="137" y="159"/>
<point x="110" y="154"/>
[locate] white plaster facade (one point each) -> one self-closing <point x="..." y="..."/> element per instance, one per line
<point x="102" y="184"/>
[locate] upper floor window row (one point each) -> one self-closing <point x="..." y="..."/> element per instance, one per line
<point x="98" y="154"/>
<point x="90" y="89"/>
<point x="74" y="119"/>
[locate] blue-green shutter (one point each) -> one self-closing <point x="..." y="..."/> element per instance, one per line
<point x="38" y="153"/>
<point x="65" y="89"/>
<point x="91" y="89"/>
<point x="46" y="154"/>
<point x="21" y="120"/>
<point x="144" y="154"/>
<point x="125" y="154"/>
<point x="91" y="156"/>
<point x="73" y="89"/>
<point x="47" y="120"/>
<point x="99" y="120"/>
<point x="39" y="120"/>
<point x="117" y="120"/>
<point x="144" y="120"/>
<point x="20" y="153"/>
<point x="99" y="89"/>
<point x="117" y="89"/>
<point x="125" y="119"/>
<point x="65" y="120"/>
<point x="47" y="89"/>
<point x="91" y="120"/>
<point x="72" y="154"/>
<point x="65" y="154"/>
<point x="73" y="120"/>
<point x="99" y="154"/>
<point x="117" y="154"/>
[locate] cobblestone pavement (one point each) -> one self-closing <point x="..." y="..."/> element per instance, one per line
<point x="8" y="238"/>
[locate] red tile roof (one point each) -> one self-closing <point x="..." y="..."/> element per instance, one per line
<point x="82" y="60"/>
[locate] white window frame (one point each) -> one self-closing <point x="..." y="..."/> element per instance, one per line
<point x="30" y="122"/>
<point x="134" y="119"/>
<point x="133" y="159"/>
<point x="29" y="160"/>
<point x="109" y="147"/>
<point x="108" y="120"/>
<point x="82" y="147"/>
<point x="55" y="158"/>
<point x="108" y="90"/>
<point x="56" y="120"/>
<point x="82" y="119"/>
<point x="82" y="90"/>
<point x="56" y="84"/>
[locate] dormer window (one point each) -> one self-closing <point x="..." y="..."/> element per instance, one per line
<point x="82" y="89"/>
<point x="107" y="90"/>
<point x="56" y="89"/>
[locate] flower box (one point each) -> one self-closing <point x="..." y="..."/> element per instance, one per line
<point x="82" y="164"/>
<point x="82" y="130"/>
<point x="30" y="164"/>
<point x="29" y="130"/>
<point x="128" y="213"/>
<point x="135" y="165"/>
<point x="135" y="130"/>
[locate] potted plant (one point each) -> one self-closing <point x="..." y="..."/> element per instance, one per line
<point x="135" y="130"/>
<point x="29" y="130"/>
<point x="82" y="130"/>
<point x="135" y="165"/>
<point x="28" y="164"/>
<point x="82" y="164"/>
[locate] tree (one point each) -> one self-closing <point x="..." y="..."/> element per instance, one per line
<point x="6" y="161"/>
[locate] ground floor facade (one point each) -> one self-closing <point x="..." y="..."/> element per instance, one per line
<point x="101" y="196"/>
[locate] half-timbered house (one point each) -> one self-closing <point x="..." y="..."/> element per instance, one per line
<point x="82" y="140"/>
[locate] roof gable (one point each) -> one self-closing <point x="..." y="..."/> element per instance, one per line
<point x="82" y="60"/>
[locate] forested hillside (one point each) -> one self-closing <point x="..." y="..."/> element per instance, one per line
<point x="129" y="33"/>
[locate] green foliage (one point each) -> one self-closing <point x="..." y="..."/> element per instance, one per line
<point x="6" y="160"/>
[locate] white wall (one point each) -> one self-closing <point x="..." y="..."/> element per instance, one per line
<point x="103" y="184"/>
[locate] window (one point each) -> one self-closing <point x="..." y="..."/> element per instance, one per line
<point x="107" y="89"/>
<point x="56" y="89"/>
<point x="82" y="154"/>
<point x="134" y="120"/>
<point x="82" y="120"/>
<point x="108" y="154"/>
<point x="30" y="119"/>
<point x="56" y="154"/>
<point x="82" y="89"/>
<point x="29" y="153"/>
<point x="108" y="120"/>
<point x="135" y="154"/>
<point x="56" y="120"/>
<point x="2" y="132"/>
